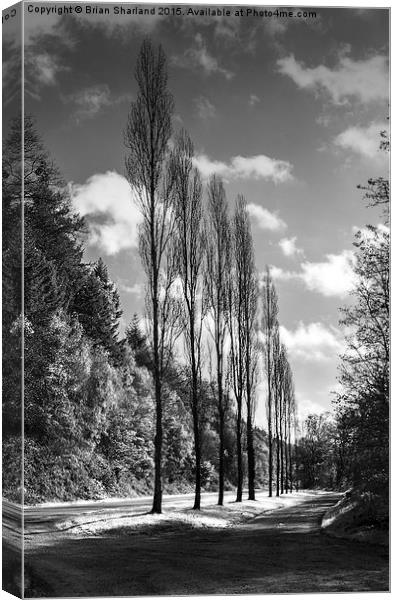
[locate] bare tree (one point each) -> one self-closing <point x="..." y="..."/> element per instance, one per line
<point x="236" y="374"/>
<point x="276" y="393"/>
<point x="236" y="363"/>
<point x="289" y="416"/>
<point x="286" y="410"/>
<point x="286" y="404"/>
<point x="269" y="320"/>
<point x="251" y="349"/>
<point x="218" y="248"/>
<point x="147" y="135"/>
<point x="292" y="426"/>
<point x="283" y="368"/>
<point x="190" y="250"/>
<point x="243" y="307"/>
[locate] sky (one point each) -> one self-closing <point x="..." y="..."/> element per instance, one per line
<point x="287" y="110"/>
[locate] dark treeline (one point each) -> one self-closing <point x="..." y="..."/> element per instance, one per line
<point x="171" y="405"/>
<point x="362" y="408"/>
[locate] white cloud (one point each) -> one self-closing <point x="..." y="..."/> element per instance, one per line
<point x="365" y="80"/>
<point x="262" y="166"/>
<point x="245" y="167"/>
<point x="323" y="120"/>
<point x="108" y="197"/>
<point x="264" y="218"/>
<point x="41" y="70"/>
<point x="274" y="27"/>
<point x="121" y="25"/>
<point x="332" y="277"/>
<point x="35" y="25"/>
<point x="253" y="100"/>
<point x="312" y="342"/>
<point x="279" y="274"/>
<point x="92" y="100"/>
<point x="46" y="69"/>
<point x="307" y="406"/>
<point x="362" y="140"/>
<point x="205" y="109"/>
<point x="199" y="57"/>
<point x="209" y="167"/>
<point x="225" y="28"/>
<point x="289" y="247"/>
<point x="136" y="289"/>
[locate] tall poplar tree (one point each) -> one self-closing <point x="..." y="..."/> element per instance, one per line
<point x="147" y="137"/>
<point x="268" y="324"/>
<point x="218" y="264"/>
<point x="243" y="308"/>
<point x="189" y="248"/>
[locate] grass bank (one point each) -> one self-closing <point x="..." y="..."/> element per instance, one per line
<point x="359" y="516"/>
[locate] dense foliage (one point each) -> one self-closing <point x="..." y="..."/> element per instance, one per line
<point x="350" y="450"/>
<point x="363" y="406"/>
<point x="317" y="453"/>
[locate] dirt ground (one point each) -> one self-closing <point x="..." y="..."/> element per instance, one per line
<point x="280" y="551"/>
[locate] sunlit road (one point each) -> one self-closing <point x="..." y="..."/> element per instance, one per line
<point x="281" y="551"/>
<point x="44" y="517"/>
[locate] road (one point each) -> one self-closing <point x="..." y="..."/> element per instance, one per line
<point x="281" y="551"/>
<point x="43" y="518"/>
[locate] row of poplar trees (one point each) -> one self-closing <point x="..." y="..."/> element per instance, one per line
<point x="281" y="403"/>
<point x="200" y="269"/>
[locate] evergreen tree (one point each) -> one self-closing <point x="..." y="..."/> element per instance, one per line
<point x="138" y="343"/>
<point x="12" y="289"/>
<point x="97" y="305"/>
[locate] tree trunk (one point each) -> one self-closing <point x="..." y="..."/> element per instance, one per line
<point x="221" y="450"/>
<point x="270" y="471"/>
<point x="290" y="460"/>
<point x="282" y="470"/>
<point x="195" y="410"/>
<point x="277" y="443"/>
<point x="157" y="499"/>
<point x="197" y="446"/>
<point x="250" y="455"/>
<point x="269" y="442"/>
<point x="239" y="452"/>
<point x="220" y="401"/>
<point x="296" y="457"/>
<point x="287" y="466"/>
<point x="249" y="416"/>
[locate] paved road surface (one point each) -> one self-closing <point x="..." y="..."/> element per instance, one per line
<point x="42" y="518"/>
<point x="281" y="551"/>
